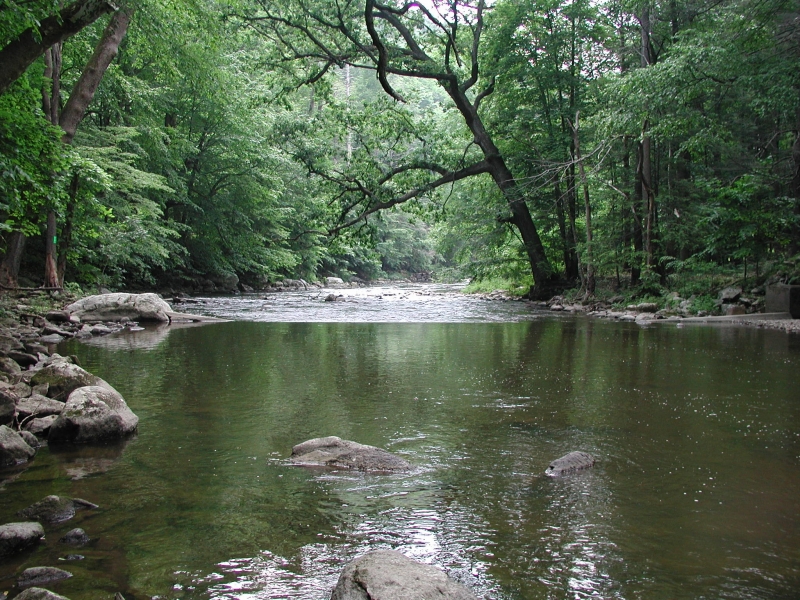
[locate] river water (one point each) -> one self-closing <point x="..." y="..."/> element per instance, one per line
<point x="697" y="431"/>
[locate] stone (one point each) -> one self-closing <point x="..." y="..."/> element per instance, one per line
<point x="8" y="407"/>
<point x="53" y="338"/>
<point x="30" y="439"/>
<point x="9" y="365"/>
<point x="41" y="575"/>
<point x="113" y="307"/>
<point x="332" y="281"/>
<point x="9" y="343"/>
<point x="13" y="449"/>
<point x="735" y="309"/>
<point x="40" y="427"/>
<point x="570" y="463"/>
<point x="54" y="509"/>
<point x="93" y="414"/>
<point x="37" y="593"/>
<point x="337" y="453"/>
<point x="75" y="537"/>
<point x="23" y="359"/>
<point x="52" y="329"/>
<point x="390" y="575"/>
<point x="330" y="298"/>
<point x="729" y="294"/>
<point x="782" y="298"/>
<point x="57" y="316"/>
<point x="63" y="377"/>
<point x="17" y="537"/>
<point x="38" y="406"/>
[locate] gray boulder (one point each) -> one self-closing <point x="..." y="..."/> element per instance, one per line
<point x="729" y="294"/>
<point x="389" y="575"/>
<point x="13" y="449"/>
<point x="38" y="406"/>
<point x="64" y="377"/>
<point x="9" y="366"/>
<point x="30" y="439"/>
<point x="54" y="509"/>
<point x="114" y="307"/>
<point x="9" y="343"/>
<point x="40" y="427"/>
<point x="41" y="575"/>
<point x="75" y="537"/>
<point x="569" y="463"/>
<point x="36" y="593"/>
<point x="93" y="414"/>
<point x="337" y="453"/>
<point x="8" y="406"/>
<point x="16" y="537"/>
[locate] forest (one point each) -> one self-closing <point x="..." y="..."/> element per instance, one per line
<point x="616" y="146"/>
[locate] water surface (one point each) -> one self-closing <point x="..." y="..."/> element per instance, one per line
<point x="696" y="493"/>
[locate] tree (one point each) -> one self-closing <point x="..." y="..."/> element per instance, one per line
<point x="441" y="43"/>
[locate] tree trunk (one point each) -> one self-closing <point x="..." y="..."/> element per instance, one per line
<point x="20" y="53"/>
<point x="66" y="233"/>
<point x="589" y="280"/>
<point x="51" y="100"/>
<point x="86" y="86"/>
<point x="50" y="267"/>
<point x="9" y="268"/>
<point x="794" y="190"/>
<point x="544" y="278"/>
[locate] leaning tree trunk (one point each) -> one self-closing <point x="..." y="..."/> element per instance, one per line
<point x="544" y="278"/>
<point x="9" y="267"/>
<point x="20" y="53"/>
<point x="82" y="94"/>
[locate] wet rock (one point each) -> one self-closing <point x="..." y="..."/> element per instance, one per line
<point x="38" y="406"/>
<point x="40" y="427"/>
<point x="569" y="463"/>
<point x="113" y="307"/>
<point x="13" y="449"/>
<point x="41" y="575"/>
<point x="337" y="453"/>
<point x="333" y="281"/>
<point x="55" y="509"/>
<point x="63" y="378"/>
<point x="53" y="338"/>
<point x="735" y="309"/>
<point x="93" y="414"/>
<point x="53" y="330"/>
<point x="72" y="557"/>
<point x="389" y="575"/>
<point x="37" y="593"/>
<point x="75" y="537"/>
<point x="16" y="537"/>
<point x="331" y="298"/>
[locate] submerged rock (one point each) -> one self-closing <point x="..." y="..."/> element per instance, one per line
<point x="55" y="509"/>
<point x="41" y="575"/>
<point x="114" y="307"/>
<point x="13" y="449"/>
<point x="16" y="537"/>
<point x="337" y="453"/>
<point x="75" y="537"/>
<point x="37" y="593"/>
<point x="569" y="463"/>
<point x="389" y="575"/>
<point x="93" y="414"/>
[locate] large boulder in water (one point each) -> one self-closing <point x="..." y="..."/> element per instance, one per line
<point x="337" y="453"/>
<point x="93" y="414"/>
<point x="37" y="593"/>
<point x="16" y="537"/>
<point x="389" y="575"/>
<point x="13" y="449"/>
<point x="54" y="509"/>
<point x="115" y="307"/>
<point x="569" y="463"/>
<point x="63" y="378"/>
<point x="41" y="575"/>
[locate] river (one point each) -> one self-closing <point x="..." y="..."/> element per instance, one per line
<point x="696" y="493"/>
